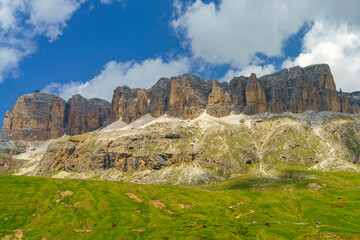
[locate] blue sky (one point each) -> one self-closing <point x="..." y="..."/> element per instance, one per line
<point x="91" y="46"/>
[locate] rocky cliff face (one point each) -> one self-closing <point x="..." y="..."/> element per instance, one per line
<point x="302" y="89"/>
<point x="219" y="103"/>
<point x="85" y="115"/>
<point x="255" y="96"/>
<point x="188" y="96"/>
<point x="295" y="90"/>
<point x="35" y="117"/>
<point x="159" y="95"/>
<point x="129" y="104"/>
<point x="40" y="116"/>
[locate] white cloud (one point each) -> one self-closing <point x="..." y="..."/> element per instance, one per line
<point x="258" y="70"/>
<point x="335" y="45"/>
<point x="50" y="16"/>
<point x="235" y="31"/>
<point x="109" y="1"/>
<point x="21" y="21"/>
<point x="133" y="74"/>
<point x="8" y="9"/>
<point x="9" y="59"/>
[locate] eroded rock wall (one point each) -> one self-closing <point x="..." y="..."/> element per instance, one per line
<point x="42" y="116"/>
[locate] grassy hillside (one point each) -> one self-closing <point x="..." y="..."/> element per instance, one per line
<point x="43" y="208"/>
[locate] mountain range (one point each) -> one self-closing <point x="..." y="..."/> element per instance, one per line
<point x="39" y="116"/>
<point x="187" y="130"/>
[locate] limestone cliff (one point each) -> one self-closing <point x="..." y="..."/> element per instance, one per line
<point x="298" y="90"/>
<point x="255" y="96"/>
<point x="188" y="96"/>
<point x="219" y="103"/>
<point x="35" y="117"/>
<point x="41" y="116"/>
<point x="85" y="115"/>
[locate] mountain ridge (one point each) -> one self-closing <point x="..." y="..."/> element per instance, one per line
<point x="41" y="116"/>
<point x="168" y="150"/>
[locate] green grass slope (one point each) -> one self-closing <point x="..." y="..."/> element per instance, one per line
<point x="226" y="210"/>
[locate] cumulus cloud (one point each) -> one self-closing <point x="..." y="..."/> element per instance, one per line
<point x="235" y="31"/>
<point x="50" y="16"/>
<point x="246" y="71"/>
<point x="336" y="45"/>
<point x="133" y="74"/>
<point x="21" y="21"/>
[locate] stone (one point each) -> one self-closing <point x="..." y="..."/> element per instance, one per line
<point x="298" y="90"/>
<point x="6" y="163"/>
<point x="120" y="100"/>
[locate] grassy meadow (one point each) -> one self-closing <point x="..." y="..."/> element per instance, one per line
<point x="45" y="208"/>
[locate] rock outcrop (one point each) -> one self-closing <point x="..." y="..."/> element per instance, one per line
<point x="159" y="95"/>
<point x="219" y="103"/>
<point x="129" y="104"/>
<point x="6" y="163"/>
<point x="225" y="146"/>
<point x="298" y="90"/>
<point x="35" y="117"/>
<point x="41" y="116"/>
<point x="85" y="115"/>
<point x="255" y="96"/>
<point x="136" y="107"/>
<point x="188" y="96"/>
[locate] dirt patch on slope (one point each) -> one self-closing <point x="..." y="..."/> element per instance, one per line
<point x="315" y="186"/>
<point x="66" y="193"/>
<point x="83" y="230"/>
<point x="134" y="197"/>
<point x="158" y="204"/>
<point x="19" y="235"/>
<point x="185" y="205"/>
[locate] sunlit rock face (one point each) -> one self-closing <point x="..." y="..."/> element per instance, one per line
<point x="35" y="117"/>
<point x="41" y="116"/>
<point x="85" y="115"/>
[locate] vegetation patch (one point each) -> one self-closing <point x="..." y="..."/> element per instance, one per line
<point x="291" y="204"/>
